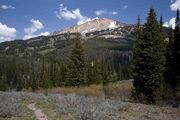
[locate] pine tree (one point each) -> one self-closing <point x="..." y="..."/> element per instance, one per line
<point x="169" y="75"/>
<point x="3" y="82"/>
<point x="138" y="78"/>
<point x="34" y="84"/>
<point x="106" y="75"/>
<point x="161" y="23"/>
<point x="76" y="66"/>
<point x="176" y="81"/>
<point x="98" y="78"/>
<point x="119" y="71"/>
<point x="46" y="79"/>
<point x="58" y="76"/>
<point x="52" y="74"/>
<point x="90" y="73"/>
<point x="148" y="58"/>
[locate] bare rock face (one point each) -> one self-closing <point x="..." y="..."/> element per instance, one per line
<point x="91" y="26"/>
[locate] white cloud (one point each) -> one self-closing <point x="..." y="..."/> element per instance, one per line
<point x="125" y="6"/>
<point x="176" y="5"/>
<point x="7" y="33"/>
<point x="172" y="1"/>
<point x="34" y="27"/>
<point x="103" y="12"/>
<point x="113" y="13"/>
<point x="100" y="12"/>
<point x="166" y="24"/>
<point x="170" y="23"/>
<point x="66" y="14"/>
<point x="6" y="7"/>
<point x="44" y="34"/>
<point x="28" y="36"/>
<point x="31" y="36"/>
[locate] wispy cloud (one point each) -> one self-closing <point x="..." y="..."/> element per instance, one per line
<point x="104" y="11"/>
<point x="66" y="14"/>
<point x="33" y="28"/>
<point x="6" y="32"/>
<point x="175" y="5"/>
<point x="6" y="7"/>
<point x="100" y="12"/>
<point x="125" y="7"/>
<point x="113" y="13"/>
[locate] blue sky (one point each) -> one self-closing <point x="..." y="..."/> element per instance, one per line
<point x="29" y="18"/>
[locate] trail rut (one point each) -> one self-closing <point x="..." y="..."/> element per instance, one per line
<point x="38" y="112"/>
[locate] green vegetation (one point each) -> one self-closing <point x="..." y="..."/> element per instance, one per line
<point x="176" y="48"/>
<point x="75" y="107"/>
<point x="73" y="60"/>
<point x="155" y="67"/>
<point x="75" y="73"/>
<point x="148" y="58"/>
<point x="92" y="61"/>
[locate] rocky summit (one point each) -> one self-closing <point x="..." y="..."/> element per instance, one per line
<point x="97" y="24"/>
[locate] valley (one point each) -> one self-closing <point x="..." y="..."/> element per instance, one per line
<point x="89" y="60"/>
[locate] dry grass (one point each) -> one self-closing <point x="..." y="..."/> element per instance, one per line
<point x="120" y="90"/>
<point x="75" y="107"/>
<point x="93" y="90"/>
<point x="150" y="112"/>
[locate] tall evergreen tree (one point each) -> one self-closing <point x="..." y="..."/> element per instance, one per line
<point x="176" y="52"/>
<point x="138" y="80"/>
<point x="3" y="82"/>
<point x="76" y="66"/>
<point x="149" y="58"/>
<point x="161" y="23"/>
<point x="169" y="75"/>
<point x="34" y="84"/>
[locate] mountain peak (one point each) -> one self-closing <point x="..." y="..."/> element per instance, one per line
<point x="97" y="24"/>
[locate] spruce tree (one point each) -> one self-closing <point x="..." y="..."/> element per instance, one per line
<point x="161" y="23"/>
<point x="176" y="81"/>
<point x="76" y="66"/>
<point x="106" y="74"/>
<point x="148" y="58"/>
<point x="138" y="82"/>
<point x="46" y="79"/>
<point x="98" y="78"/>
<point x="90" y="73"/>
<point x="169" y="75"/>
<point x="34" y="84"/>
<point x="3" y="83"/>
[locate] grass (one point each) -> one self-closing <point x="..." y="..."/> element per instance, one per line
<point x="49" y="111"/>
<point x="73" y="107"/>
<point x="83" y="103"/>
<point x="119" y="91"/>
<point x="93" y="90"/>
<point x="13" y="107"/>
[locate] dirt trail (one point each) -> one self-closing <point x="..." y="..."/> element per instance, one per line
<point x="38" y="112"/>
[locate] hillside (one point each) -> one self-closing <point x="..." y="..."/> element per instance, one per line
<point x="113" y="45"/>
<point x="103" y="37"/>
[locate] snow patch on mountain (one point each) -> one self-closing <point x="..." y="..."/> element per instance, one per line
<point x="112" y="25"/>
<point x="97" y="24"/>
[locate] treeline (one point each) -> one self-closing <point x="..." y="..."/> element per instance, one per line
<point x="156" y="60"/>
<point x="27" y="73"/>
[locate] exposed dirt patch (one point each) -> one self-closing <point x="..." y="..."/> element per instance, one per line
<point x="38" y="112"/>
